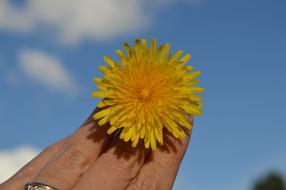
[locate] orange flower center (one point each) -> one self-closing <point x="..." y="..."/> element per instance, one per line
<point x="144" y="95"/>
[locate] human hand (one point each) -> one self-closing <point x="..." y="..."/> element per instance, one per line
<point x="91" y="159"/>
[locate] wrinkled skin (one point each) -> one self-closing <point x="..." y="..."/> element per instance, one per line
<point x="91" y="159"/>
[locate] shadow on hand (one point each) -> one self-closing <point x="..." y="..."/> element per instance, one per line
<point x="124" y="149"/>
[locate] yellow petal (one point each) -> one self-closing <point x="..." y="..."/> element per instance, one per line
<point x="153" y="46"/>
<point x="185" y="59"/>
<point x="136" y="140"/>
<point x="191" y="110"/>
<point x="197" y="90"/>
<point x="142" y="132"/>
<point x="144" y="43"/>
<point x="159" y="135"/>
<point x="103" y="121"/>
<point x="127" y="49"/>
<point x="189" y="68"/>
<point x="194" y="82"/>
<point x="109" y="61"/>
<point x="105" y="103"/>
<point x="158" y="52"/>
<point x="101" y="114"/>
<point x="177" y="55"/>
<point x="111" y="130"/>
<point x="99" y="94"/>
<point x="182" y="119"/>
<point x="193" y="75"/>
<point x="121" y="56"/>
<point x="128" y="135"/>
<point x="164" y="52"/>
<point x="152" y="140"/>
<point x="196" y="98"/>
<point x="97" y="80"/>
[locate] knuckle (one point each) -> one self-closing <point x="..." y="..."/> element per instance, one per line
<point x="109" y="160"/>
<point x="28" y="171"/>
<point x="167" y="161"/>
<point x="69" y="164"/>
<point x="146" y="180"/>
<point x="53" y="147"/>
<point x="119" y="165"/>
<point x="122" y="159"/>
<point x="58" y="177"/>
<point x="73" y="157"/>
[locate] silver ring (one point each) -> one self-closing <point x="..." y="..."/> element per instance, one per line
<point x="38" y="186"/>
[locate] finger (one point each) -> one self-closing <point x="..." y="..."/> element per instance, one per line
<point x="161" y="167"/>
<point x="30" y="170"/>
<point x="115" y="168"/>
<point x="75" y="156"/>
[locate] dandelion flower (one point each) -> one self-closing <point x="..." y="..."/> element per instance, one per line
<point x="147" y="90"/>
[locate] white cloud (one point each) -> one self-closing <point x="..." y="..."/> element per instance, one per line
<point x="46" y="70"/>
<point x="12" y="160"/>
<point x="75" y="20"/>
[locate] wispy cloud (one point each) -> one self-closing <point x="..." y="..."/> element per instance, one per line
<point x="75" y="20"/>
<point x="46" y="70"/>
<point x="12" y="160"/>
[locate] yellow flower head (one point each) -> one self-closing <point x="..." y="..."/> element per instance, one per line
<point x="147" y="90"/>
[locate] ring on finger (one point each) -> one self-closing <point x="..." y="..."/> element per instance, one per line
<point x="38" y="186"/>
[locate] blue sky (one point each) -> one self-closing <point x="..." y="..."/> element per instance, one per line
<point x="240" y="47"/>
